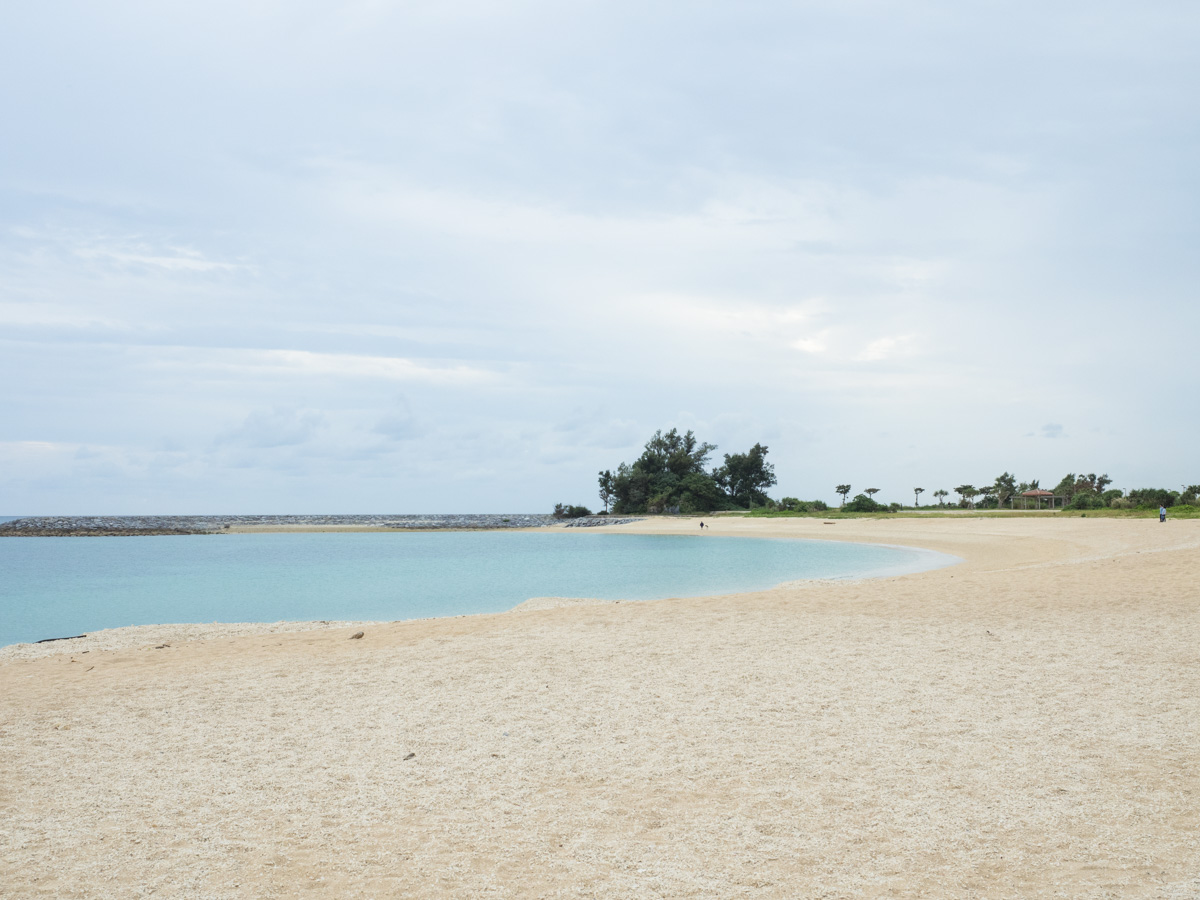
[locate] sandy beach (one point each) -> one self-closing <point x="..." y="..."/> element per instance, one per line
<point x="1023" y="724"/>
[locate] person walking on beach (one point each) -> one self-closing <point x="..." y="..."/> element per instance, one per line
<point x="701" y="524"/>
<point x="1162" y="513"/>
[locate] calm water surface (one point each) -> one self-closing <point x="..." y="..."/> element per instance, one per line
<point x="53" y="587"/>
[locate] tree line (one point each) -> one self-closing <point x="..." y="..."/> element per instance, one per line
<point x="673" y="475"/>
<point x="1076" y="491"/>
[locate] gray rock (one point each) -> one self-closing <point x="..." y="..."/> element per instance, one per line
<point x="61" y="526"/>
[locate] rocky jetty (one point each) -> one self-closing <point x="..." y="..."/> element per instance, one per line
<point x="64" y="526"/>
<point x="595" y="521"/>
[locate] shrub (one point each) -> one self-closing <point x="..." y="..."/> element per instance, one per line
<point x="863" y="503"/>
<point x="570" y="512"/>
<point x="1120" y="503"/>
<point x="1153" y="497"/>
<point x="793" y="504"/>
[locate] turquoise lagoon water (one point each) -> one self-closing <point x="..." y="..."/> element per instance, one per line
<point x="54" y="587"/>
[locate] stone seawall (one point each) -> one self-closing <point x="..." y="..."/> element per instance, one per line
<point x="69" y="526"/>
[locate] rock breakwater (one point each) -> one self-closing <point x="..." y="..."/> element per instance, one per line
<point x="71" y="526"/>
<point x="598" y="521"/>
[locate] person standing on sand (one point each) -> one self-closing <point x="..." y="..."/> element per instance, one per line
<point x="1162" y="513"/>
<point x="701" y="524"/>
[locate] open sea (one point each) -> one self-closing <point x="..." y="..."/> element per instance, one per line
<point x="61" y="586"/>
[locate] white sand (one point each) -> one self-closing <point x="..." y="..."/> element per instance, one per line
<point x="1024" y="724"/>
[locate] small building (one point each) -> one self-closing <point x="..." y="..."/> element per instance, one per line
<point x="1039" y="495"/>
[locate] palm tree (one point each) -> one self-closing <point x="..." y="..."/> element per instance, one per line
<point x="843" y="489"/>
<point x="941" y="494"/>
<point x="917" y="492"/>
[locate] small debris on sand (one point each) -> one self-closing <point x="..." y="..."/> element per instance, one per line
<point x="356" y="636"/>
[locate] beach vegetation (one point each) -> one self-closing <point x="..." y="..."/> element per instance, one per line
<point x="1090" y="486"/>
<point x="1088" y="501"/>
<point x="745" y="477"/>
<point x="563" y="511"/>
<point x="796" y="505"/>
<point x="864" y="504"/>
<point x="1004" y="488"/>
<point x="1152" y="498"/>
<point x="672" y="476"/>
<point x="606" y="489"/>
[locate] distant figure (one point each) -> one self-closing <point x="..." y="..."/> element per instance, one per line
<point x="701" y="524"/>
<point x="1162" y="514"/>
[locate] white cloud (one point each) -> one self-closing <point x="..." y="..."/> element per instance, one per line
<point x="816" y="343"/>
<point x="176" y="259"/>
<point x="399" y="423"/>
<point x="885" y="348"/>
<point x="309" y="364"/>
<point x="264" y="429"/>
<point x="31" y="314"/>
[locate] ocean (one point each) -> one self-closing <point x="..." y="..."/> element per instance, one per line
<point x="55" y="587"/>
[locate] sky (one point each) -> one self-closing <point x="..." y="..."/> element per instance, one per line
<point x="369" y="256"/>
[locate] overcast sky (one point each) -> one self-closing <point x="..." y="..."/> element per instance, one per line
<point x="449" y="257"/>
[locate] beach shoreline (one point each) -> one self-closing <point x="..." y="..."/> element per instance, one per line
<point x="1021" y="723"/>
<point x="135" y="636"/>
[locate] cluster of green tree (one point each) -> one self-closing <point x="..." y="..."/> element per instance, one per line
<point x="671" y="476"/>
<point x="1162" y="497"/>
<point x="562" y="511"/>
<point x="866" y="502"/>
<point x="791" y="504"/>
